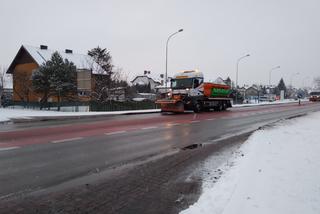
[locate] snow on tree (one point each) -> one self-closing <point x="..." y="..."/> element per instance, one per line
<point x="3" y="80"/>
<point x="56" y="77"/>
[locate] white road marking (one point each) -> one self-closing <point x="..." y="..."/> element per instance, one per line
<point x="66" y="140"/>
<point x="195" y="121"/>
<point x="116" y="132"/>
<point x="211" y="119"/>
<point x="9" y="148"/>
<point x="150" y="127"/>
<point x="174" y="124"/>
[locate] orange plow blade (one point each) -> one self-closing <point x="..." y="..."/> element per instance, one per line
<point x="171" y="106"/>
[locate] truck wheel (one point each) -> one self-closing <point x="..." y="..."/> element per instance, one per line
<point x="197" y="107"/>
<point x="219" y="107"/>
<point x="224" y="106"/>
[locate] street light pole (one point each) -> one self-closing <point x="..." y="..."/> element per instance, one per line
<point x="270" y="73"/>
<point x="237" y="74"/>
<point x="166" y="76"/>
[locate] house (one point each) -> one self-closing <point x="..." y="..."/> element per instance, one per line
<point x="251" y="92"/>
<point x="228" y="81"/>
<point x="145" y="81"/>
<point x="117" y="94"/>
<point x="28" y="60"/>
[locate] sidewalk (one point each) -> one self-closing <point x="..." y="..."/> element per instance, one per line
<point x="275" y="171"/>
<point x="23" y="115"/>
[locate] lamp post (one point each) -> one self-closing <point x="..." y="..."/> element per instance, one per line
<point x="237" y="74"/>
<point x="166" y="76"/>
<point x="272" y="69"/>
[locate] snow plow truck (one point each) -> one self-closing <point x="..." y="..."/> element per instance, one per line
<point x="188" y="91"/>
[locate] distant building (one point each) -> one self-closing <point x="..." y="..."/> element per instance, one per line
<point x="117" y="94"/>
<point x="251" y="92"/>
<point x="145" y="81"/>
<point x="228" y="81"/>
<point x="28" y="60"/>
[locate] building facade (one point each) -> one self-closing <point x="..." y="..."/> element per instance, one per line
<point x="29" y="59"/>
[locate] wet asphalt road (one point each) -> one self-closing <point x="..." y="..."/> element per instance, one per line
<point x="39" y="155"/>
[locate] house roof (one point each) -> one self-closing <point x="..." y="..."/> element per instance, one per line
<point x="40" y="56"/>
<point x="219" y="80"/>
<point x="149" y="78"/>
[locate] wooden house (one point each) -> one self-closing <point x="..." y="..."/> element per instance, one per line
<point x="28" y="60"/>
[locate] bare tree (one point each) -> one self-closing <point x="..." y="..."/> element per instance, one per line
<point x="2" y="82"/>
<point x="5" y="81"/>
<point x="118" y="84"/>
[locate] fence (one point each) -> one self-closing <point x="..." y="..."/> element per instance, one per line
<point x="122" y="106"/>
<point x="85" y="106"/>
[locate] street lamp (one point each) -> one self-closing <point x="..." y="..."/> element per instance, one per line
<point x="166" y="76"/>
<point x="270" y="73"/>
<point x="237" y="74"/>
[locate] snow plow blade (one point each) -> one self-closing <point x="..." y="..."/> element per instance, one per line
<point x="171" y="106"/>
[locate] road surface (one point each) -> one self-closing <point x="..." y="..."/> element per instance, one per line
<point x="42" y="155"/>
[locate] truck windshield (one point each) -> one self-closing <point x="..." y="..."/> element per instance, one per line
<point x="315" y="93"/>
<point x="181" y="83"/>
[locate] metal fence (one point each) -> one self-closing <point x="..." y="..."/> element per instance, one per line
<point x="122" y="106"/>
<point x="85" y="106"/>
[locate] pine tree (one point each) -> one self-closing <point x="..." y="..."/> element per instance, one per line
<point x="56" y="77"/>
<point x="103" y="75"/>
<point x="282" y="87"/>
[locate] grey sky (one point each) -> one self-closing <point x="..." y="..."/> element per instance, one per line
<point x="216" y="33"/>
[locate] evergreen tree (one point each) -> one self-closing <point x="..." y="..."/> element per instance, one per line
<point x="56" y="77"/>
<point x="103" y="58"/>
<point x="103" y="75"/>
<point x="282" y="86"/>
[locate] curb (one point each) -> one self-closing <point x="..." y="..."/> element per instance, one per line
<point x="61" y="118"/>
<point x="268" y="104"/>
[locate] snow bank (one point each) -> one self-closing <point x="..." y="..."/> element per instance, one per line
<point x="278" y="171"/>
<point x="270" y="103"/>
<point x="8" y="114"/>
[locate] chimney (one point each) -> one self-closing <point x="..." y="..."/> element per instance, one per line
<point x="43" y="47"/>
<point x="68" y="51"/>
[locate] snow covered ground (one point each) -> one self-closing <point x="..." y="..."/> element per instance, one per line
<point x="276" y="171"/>
<point x="270" y="103"/>
<point x="7" y="114"/>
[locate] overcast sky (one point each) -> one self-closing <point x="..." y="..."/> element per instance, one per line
<point x="216" y="33"/>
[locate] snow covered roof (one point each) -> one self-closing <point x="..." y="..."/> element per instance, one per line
<point x="41" y="55"/>
<point x="139" y="80"/>
<point x="219" y="80"/>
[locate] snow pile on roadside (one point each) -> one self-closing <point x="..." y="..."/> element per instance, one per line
<point x="279" y="172"/>
<point x="7" y="114"/>
<point x="270" y="103"/>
